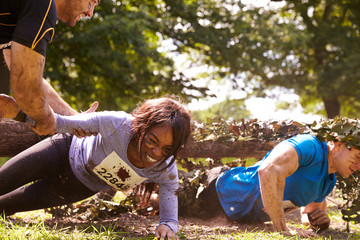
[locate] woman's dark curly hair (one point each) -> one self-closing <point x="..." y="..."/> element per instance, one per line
<point x="162" y="111"/>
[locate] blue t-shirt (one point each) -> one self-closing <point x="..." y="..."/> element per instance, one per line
<point x="239" y="191"/>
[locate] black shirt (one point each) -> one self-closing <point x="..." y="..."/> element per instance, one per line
<point x="28" y="22"/>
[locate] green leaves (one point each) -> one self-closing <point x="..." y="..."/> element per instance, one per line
<point x="191" y="183"/>
<point x="233" y="109"/>
<point x="343" y="129"/>
<point x="114" y="58"/>
<point x="350" y="188"/>
<point x="217" y="129"/>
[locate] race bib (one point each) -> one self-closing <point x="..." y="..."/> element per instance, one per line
<point x="116" y="173"/>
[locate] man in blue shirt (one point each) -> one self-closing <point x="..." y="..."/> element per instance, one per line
<point x="298" y="172"/>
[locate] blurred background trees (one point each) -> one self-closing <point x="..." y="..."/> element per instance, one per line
<point x="129" y="51"/>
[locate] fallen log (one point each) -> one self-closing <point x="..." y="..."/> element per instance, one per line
<point x="217" y="150"/>
<point x="16" y="137"/>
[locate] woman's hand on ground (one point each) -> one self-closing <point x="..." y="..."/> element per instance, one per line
<point x="164" y="232"/>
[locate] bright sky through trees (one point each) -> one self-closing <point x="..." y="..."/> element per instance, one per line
<point x="260" y="108"/>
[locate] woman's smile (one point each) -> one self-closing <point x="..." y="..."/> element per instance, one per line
<point x="150" y="159"/>
<point x="157" y="145"/>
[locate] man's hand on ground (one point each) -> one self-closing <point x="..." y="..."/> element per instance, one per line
<point x="319" y="220"/>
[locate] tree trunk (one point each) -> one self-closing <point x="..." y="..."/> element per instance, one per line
<point x="217" y="150"/>
<point x="15" y="137"/>
<point x="332" y="106"/>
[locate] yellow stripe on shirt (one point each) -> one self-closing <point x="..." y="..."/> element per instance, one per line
<point x="5" y="24"/>
<point x="42" y="24"/>
<point x="52" y="35"/>
<point x="8" y="25"/>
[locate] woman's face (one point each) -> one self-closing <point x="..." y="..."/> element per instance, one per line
<point x="157" y="145"/>
<point x="346" y="161"/>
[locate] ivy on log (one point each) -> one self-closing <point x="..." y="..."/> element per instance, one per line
<point x="218" y="139"/>
<point x="343" y="129"/>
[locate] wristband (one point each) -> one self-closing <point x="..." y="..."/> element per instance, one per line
<point x="22" y="117"/>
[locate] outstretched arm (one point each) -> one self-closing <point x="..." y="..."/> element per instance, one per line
<point x="168" y="203"/>
<point x="63" y="108"/>
<point x="281" y="163"/>
<point x="55" y="101"/>
<point x="57" y="104"/>
<point x="26" y="77"/>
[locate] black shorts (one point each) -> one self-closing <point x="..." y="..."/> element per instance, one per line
<point x="212" y="206"/>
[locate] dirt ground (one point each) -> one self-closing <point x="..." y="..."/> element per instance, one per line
<point x="136" y="226"/>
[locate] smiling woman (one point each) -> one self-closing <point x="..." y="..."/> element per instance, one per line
<point x="156" y="146"/>
<point x="160" y="112"/>
<point x="129" y="149"/>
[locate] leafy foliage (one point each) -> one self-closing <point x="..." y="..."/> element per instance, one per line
<point x="309" y="46"/>
<point x="113" y="58"/>
<point x="217" y="129"/>
<point x="345" y="130"/>
<point x="229" y="109"/>
<point x="320" y="41"/>
<point x="350" y="188"/>
<point x="190" y="184"/>
<point x="95" y="208"/>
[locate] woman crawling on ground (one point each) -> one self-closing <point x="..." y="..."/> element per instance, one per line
<point x="129" y="149"/>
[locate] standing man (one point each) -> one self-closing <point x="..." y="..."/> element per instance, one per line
<point x="26" y="26"/>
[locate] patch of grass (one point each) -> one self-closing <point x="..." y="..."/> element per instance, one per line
<point x="14" y="230"/>
<point x="3" y="160"/>
<point x="36" y="225"/>
<point x="10" y="231"/>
